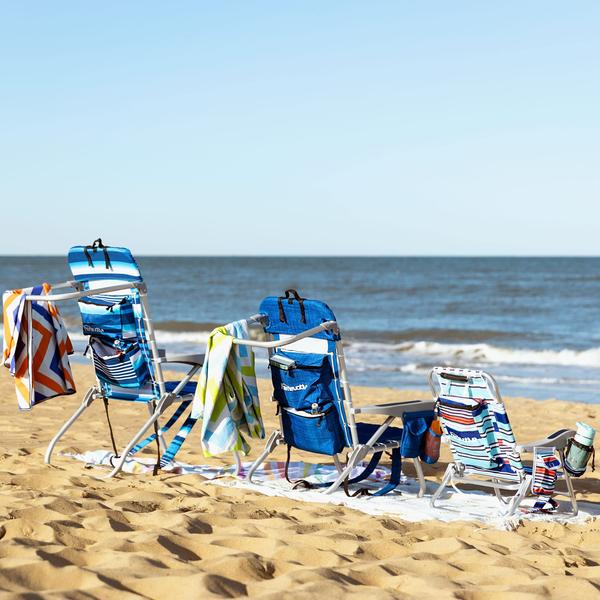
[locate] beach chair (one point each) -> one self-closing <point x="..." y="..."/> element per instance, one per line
<point x="113" y="303"/>
<point x="314" y="400"/>
<point x="475" y="424"/>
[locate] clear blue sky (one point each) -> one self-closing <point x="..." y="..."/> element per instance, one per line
<point x="301" y="127"/>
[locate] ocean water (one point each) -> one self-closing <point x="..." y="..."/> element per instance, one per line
<point x="534" y="323"/>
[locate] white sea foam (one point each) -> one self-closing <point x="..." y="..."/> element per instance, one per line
<point x="162" y="337"/>
<point x="417" y="352"/>
<point x="485" y="353"/>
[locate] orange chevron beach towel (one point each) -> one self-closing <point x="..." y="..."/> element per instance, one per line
<point x="50" y="375"/>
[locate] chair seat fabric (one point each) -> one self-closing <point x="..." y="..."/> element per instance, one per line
<point x="147" y="394"/>
<point x="366" y="430"/>
<point x="188" y="388"/>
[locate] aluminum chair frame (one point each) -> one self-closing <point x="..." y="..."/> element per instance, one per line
<point x="358" y="452"/>
<point x="458" y="473"/>
<point x="158" y="358"/>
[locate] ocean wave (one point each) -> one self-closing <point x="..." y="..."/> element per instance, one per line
<point x="423" y="369"/>
<point x="185" y="326"/>
<point x="162" y="337"/>
<point x="424" y="354"/>
<point x="437" y="334"/>
<point x="485" y="353"/>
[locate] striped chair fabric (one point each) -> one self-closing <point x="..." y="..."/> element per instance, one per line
<point x="115" y="321"/>
<point x="481" y="439"/>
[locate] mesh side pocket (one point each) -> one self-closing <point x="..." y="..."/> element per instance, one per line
<point x="120" y="364"/>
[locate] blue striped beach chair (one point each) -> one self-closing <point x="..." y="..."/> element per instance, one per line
<point x="113" y="303"/>
<point x="475" y="424"/>
<point x="314" y="401"/>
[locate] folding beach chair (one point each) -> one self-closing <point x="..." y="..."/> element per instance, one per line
<point x="475" y="425"/>
<point x="314" y="401"/>
<point x="113" y="303"/>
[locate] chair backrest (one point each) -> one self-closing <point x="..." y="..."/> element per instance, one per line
<point x="314" y="381"/>
<point x="114" y="321"/>
<point x="474" y="420"/>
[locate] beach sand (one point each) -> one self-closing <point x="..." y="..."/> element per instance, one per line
<point x="65" y="533"/>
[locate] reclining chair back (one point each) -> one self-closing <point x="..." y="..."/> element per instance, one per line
<point x="114" y="322"/>
<point x="306" y="375"/>
<point x="474" y="421"/>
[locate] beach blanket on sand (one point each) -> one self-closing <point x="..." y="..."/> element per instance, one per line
<point x="226" y="398"/>
<point x="270" y="479"/>
<point x="50" y="373"/>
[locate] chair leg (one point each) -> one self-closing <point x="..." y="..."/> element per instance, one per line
<point x="338" y="464"/>
<point x="519" y="496"/>
<point x="237" y="463"/>
<point x="445" y="481"/>
<point x="499" y="495"/>
<point x="356" y="455"/>
<point x="420" y="477"/>
<point x="161" y="406"/>
<point x="86" y="402"/>
<point x="569" y="483"/>
<point x="273" y="441"/>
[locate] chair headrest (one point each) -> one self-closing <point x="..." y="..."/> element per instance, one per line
<point x="97" y="262"/>
<point x="291" y="315"/>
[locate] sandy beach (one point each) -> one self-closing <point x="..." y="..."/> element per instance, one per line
<point x="66" y="533"/>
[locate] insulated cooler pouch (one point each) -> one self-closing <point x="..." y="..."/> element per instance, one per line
<point x="582" y="455"/>
<point x="107" y="318"/>
<point x="314" y="432"/>
<point x="302" y="388"/>
<point x="304" y="383"/>
<point x="414" y="428"/>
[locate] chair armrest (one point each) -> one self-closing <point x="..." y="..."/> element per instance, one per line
<point x="184" y="359"/>
<point x="556" y="440"/>
<point x="395" y="409"/>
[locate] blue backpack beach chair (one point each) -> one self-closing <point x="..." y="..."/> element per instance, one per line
<point x="314" y="401"/>
<point x="476" y="426"/>
<point x="113" y="303"/>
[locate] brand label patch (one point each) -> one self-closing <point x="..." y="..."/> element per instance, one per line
<point x="293" y="388"/>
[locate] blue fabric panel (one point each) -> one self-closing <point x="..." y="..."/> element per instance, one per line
<point x="319" y="434"/>
<point x="316" y="312"/>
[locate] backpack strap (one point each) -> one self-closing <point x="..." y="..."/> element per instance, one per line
<point x="392" y="483"/>
<point x="366" y="472"/>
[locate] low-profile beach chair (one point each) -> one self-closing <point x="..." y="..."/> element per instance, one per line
<point x="314" y="401"/>
<point x="475" y="425"/>
<point x="113" y="303"/>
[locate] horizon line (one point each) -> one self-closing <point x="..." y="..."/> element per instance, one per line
<point x="141" y="255"/>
